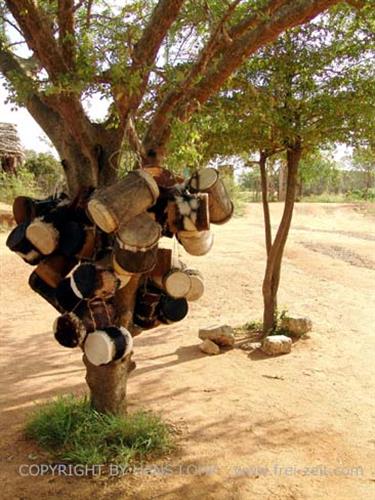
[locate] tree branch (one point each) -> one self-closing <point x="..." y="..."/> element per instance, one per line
<point x="66" y="31"/>
<point x="36" y="28"/>
<point x="182" y="104"/>
<point x="144" y="55"/>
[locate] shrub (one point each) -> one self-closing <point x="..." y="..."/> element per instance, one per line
<point x="15" y="185"/>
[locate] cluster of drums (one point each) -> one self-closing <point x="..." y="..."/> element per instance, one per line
<point x="88" y="248"/>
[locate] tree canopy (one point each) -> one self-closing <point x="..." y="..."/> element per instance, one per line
<point x="159" y="60"/>
<point x="315" y="83"/>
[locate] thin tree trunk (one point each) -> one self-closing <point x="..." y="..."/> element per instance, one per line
<point x="282" y="183"/>
<point x="266" y="208"/>
<point x="272" y="273"/>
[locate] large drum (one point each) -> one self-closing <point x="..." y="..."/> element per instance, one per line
<point x="26" y="209"/>
<point x="117" y="204"/>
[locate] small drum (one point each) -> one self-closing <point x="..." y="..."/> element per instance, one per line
<point x="220" y="205"/>
<point x="54" y="268"/>
<point x="69" y="330"/>
<point x="109" y="344"/>
<point x="196" y="242"/>
<point x="18" y="243"/>
<point x="172" y="310"/>
<point x="176" y="283"/>
<point x="145" y="311"/>
<point x="136" y="244"/>
<point x="197" y="285"/>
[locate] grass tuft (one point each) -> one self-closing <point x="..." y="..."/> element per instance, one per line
<point x="72" y="431"/>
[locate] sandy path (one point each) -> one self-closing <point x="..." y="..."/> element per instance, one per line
<point x="247" y="427"/>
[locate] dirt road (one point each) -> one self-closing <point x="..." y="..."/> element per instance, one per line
<point x="299" y="426"/>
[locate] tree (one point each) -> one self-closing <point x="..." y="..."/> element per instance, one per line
<point x="364" y="161"/>
<point x="46" y="170"/>
<point x="313" y="86"/>
<point x="156" y="62"/>
<point x="318" y="173"/>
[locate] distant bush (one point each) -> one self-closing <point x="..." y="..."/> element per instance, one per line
<point x="361" y="195"/>
<point x="15" y="185"/>
<point x="39" y="176"/>
<point x="47" y="171"/>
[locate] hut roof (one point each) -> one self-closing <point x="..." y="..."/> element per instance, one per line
<point x="10" y="144"/>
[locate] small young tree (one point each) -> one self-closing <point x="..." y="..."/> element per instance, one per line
<point x="313" y="86"/>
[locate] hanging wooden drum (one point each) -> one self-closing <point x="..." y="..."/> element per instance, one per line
<point x="196" y="242"/>
<point x="117" y="204"/>
<point x="109" y="344"/>
<point x="96" y="314"/>
<point x="146" y="306"/>
<point x="220" y="205"/>
<point x="69" y="330"/>
<point x="44" y="290"/>
<point x="18" y="243"/>
<point x="172" y="310"/>
<point x="197" y="285"/>
<point x="26" y="209"/>
<point x="135" y="249"/>
<point x="54" y="268"/>
<point x="176" y="283"/>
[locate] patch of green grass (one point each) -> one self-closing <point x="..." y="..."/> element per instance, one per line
<point x="72" y="431"/>
<point x="256" y="327"/>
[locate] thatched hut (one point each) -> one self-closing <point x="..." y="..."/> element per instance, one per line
<point x="11" y="151"/>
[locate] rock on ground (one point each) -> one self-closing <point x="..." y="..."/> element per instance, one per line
<point x="296" y="326"/>
<point x="277" y="344"/>
<point x="209" y="347"/>
<point x="220" y="334"/>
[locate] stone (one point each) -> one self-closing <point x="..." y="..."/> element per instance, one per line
<point x="250" y="346"/>
<point x="296" y="326"/>
<point x="222" y="335"/>
<point x="277" y="344"/>
<point x="209" y="347"/>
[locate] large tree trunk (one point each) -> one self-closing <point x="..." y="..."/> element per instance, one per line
<point x="108" y="383"/>
<point x="272" y="273"/>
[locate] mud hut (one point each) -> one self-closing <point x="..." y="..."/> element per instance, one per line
<point x="11" y="152"/>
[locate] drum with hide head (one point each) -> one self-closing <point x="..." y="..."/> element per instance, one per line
<point x="220" y="205"/>
<point x="117" y="204"/>
<point x="135" y="249"/>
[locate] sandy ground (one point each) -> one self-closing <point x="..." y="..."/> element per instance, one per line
<point x="299" y="426"/>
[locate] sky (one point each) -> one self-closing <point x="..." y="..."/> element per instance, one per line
<point x="31" y="135"/>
